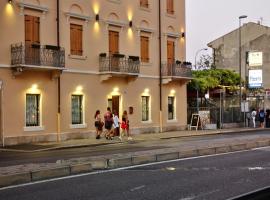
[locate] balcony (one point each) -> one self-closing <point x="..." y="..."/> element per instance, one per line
<point x="118" y="65"/>
<point x="176" y="71"/>
<point x="35" y="56"/>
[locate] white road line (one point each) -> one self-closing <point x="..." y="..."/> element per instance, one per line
<point x="137" y="188"/>
<point x="121" y="168"/>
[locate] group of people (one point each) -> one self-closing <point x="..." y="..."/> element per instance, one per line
<point x="261" y="116"/>
<point x="112" y="125"/>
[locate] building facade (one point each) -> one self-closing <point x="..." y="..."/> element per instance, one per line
<point x="254" y="38"/>
<point x="60" y="61"/>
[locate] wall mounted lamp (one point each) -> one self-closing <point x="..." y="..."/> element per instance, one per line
<point x="130" y="23"/>
<point x="97" y="17"/>
<point x="183" y="34"/>
<point x="10" y="1"/>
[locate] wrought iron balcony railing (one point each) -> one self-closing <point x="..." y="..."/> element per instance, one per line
<point x="177" y="69"/>
<point x="119" y="63"/>
<point x="37" y="55"/>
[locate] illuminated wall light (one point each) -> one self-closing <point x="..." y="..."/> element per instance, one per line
<point x="96" y="8"/>
<point x="183" y="35"/>
<point x="9" y="1"/>
<point x="130" y="24"/>
<point x="97" y="17"/>
<point x="79" y="88"/>
<point x="116" y="89"/>
<point x="34" y="89"/>
<point x="172" y="92"/>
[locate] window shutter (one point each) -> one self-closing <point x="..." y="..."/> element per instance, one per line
<point x="170" y="9"/>
<point x="76" y="34"/>
<point x="36" y="30"/>
<point x="144" y="49"/>
<point x="28" y="28"/>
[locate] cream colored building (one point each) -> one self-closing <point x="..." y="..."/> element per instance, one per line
<point x="54" y="76"/>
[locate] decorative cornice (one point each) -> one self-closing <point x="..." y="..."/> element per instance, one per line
<point x="33" y="7"/>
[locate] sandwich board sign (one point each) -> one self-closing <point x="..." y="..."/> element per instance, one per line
<point x="195" y="120"/>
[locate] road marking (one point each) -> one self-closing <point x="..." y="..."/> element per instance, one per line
<point x="137" y="188"/>
<point x="122" y="168"/>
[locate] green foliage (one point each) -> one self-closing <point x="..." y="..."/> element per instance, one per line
<point x="213" y="78"/>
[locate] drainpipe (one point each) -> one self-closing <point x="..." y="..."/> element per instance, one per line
<point x="160" y="72"/>
<point x="1" y="115"/>
<point x="58" y="80"/>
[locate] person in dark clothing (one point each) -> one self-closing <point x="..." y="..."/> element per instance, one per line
<point x="267" y="119"/>
<point x="261" y="118"/>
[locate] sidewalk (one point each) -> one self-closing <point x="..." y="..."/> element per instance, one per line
<point x="45" y="146"/>
<point x="175" y="149"/>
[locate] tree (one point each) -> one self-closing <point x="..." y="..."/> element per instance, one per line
<point x="205" y="62"/>
<point x="203" y="80"/>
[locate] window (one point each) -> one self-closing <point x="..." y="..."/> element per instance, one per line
<point x="32" y="110"/>
<point x="77" y="109"/>
<point x="171" y="109"/>
<point x="144" y="49"/>
<point x="170" y="9"/>
<point x="144" y="3"/>
<point x="31" y="24"/>
<point x="145" y="108"/>
<point x="76" y="39"/>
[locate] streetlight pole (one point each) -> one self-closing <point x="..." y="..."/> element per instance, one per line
<point x="195" y="66"/>
<point x="240" y="61"/>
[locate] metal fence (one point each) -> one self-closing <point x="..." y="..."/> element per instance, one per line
<point x="176" y="69"/>
<point x="119" y="63"/>
<point x="219" y="116"/>
<point x="39" y="55"/>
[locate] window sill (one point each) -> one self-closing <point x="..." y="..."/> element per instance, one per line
<point x="115" y="1"/>
<point x="77" y="57"/>
<point x="147" y="9"/>
<point x="147" y="122"/>
<point x="171" y="15"/>
<point x="33" y="128"/>
<point x="146" y="64"/>
<point x="78" y="126"/>
<point x="172" y="120"/>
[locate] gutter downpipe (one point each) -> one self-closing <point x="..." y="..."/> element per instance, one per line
<point x="2" y="115"/>
<point x="58" y="81"/>
<point x="160" y="72"/>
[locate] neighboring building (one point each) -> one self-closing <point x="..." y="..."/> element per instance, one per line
<point x="103" y="53"/>
<point x="254" y="38"/>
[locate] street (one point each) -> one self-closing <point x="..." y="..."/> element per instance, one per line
<point x="211" y="177"/>
<point x="51" y="156"/>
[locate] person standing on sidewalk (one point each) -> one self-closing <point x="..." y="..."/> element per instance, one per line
<point x="125" y="126"/>
<point x="98" y="124"/>
<point x="116" y="123"/>
<point x="261" y="118"/>
<point x="253" y="116"/>
<point x="108" y="119"/>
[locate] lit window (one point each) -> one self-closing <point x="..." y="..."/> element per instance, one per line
<point x="32" y="109"/>
<point x="145" y="108"/>
<point x="77" y="109"/>
<point x="171" y="108"/>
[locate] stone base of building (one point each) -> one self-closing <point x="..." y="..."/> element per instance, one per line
<point x="9" y="141"/>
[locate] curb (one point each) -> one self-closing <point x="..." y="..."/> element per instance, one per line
<point x="124" y="161"/>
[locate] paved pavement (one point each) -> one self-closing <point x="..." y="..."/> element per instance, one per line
<point x="190" y="146"/>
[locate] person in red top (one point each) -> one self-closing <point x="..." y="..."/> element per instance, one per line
<point x="125" y="126"/>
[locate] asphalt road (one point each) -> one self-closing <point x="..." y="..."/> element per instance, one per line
<point x="213" y="177"/>
<point x="52" y="156"/>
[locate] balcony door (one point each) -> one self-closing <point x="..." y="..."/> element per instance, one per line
<point x="32" y="40"/>
<point x="114" y="49"/>
<point x="170" y="56"/>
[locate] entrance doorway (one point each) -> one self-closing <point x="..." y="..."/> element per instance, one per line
<point x="113" y="103"/>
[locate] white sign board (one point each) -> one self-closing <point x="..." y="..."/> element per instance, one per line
<point x="244" y="106"/>
<point x="255" y="59"/>
<point x="255" y="78"/>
